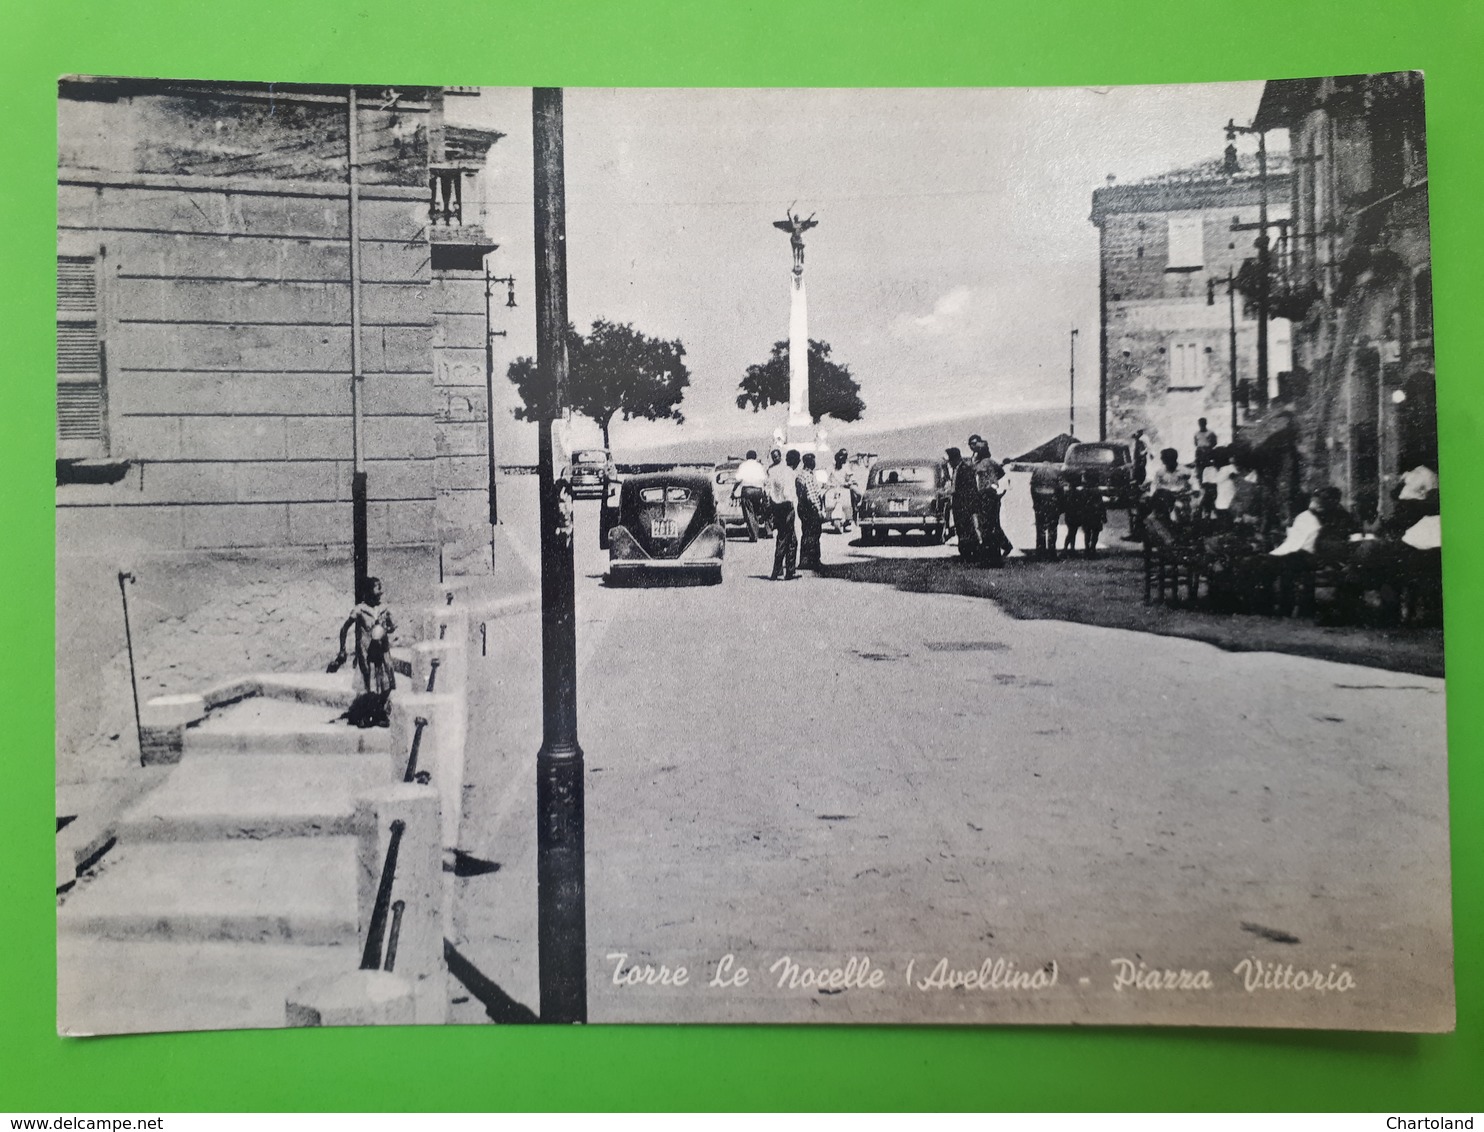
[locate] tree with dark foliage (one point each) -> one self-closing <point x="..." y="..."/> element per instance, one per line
<point x="832" y="391"/>
<point x="614" y="370"/>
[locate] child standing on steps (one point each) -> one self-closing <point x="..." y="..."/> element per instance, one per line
<point x="374" y="629"/>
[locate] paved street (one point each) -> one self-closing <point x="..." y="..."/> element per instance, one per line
<point x="832" y="769"/>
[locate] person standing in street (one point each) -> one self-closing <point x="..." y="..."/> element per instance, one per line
<point x="1205" y="446"/>
<point x="811" y="513"/>
<point x="752" y="492"/>
<point x="1141" y="456"/>
<point x="987" y="476"/>
<point x="839" y="493"/>
<point x="965" y="491"/>
<point x="1140" y="505"/>
<point x="1046" y="503"/>
<point x="782" y="491"/>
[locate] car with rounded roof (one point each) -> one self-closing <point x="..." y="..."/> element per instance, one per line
<point x="664" y="523"/>
<point x="905" y="495"/>
<point x="589" y="471"/>
<point x="1104" y="465"/>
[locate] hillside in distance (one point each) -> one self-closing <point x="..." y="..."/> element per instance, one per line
<point x="1009" y="434"/>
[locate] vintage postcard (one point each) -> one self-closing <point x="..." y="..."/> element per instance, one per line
<point x="824" y="556"/>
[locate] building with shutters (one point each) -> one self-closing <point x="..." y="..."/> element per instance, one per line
<point x="1167" y="248"/>
<point x="205" y="315"/>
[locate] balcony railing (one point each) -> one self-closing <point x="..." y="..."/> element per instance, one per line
<point x="446" y="195"/>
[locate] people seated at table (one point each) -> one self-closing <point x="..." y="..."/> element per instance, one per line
<point x="1238" y="540"/>
<point x="1416" y="497"/>
<point x="1166" y="497"/>
<point x="1402" y="575"/>
<point x="1318" y="535"/>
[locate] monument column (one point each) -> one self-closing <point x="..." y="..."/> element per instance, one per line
<point x="800" y="429"/>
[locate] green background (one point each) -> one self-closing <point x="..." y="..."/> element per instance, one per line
<point x="758" y="43"/>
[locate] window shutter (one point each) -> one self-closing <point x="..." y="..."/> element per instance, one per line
<point x="80" y="402"/>
<point x="1187" y="366"/>
<point x="1187" y="244"/>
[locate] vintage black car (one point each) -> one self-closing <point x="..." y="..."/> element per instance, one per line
<point x="663" y="522"/>
<point x="590" y="470"/>
<point x="907" y="495"/>
<point x="1107" y="466"/>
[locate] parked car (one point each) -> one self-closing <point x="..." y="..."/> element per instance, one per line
<point x="729" y="500"/>
<point x="590" y="470"/>
<point x="1107" y="465"/>
<point x="728" y="505"/>
<point x="907" y="495"/>
<point x="665" y="522"/>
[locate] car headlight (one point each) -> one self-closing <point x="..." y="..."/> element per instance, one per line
<point x="622" y="544"/>
<point x="710" y="543"/>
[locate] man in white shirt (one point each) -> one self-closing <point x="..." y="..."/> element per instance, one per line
<point x="752" y="492"/>
<point x="1316" y="531"/>
<point x="782" y="494"/>
<point x="1415" y="497"/>
<point x="1425" y="534"/>
<point x="1303" y="533"/>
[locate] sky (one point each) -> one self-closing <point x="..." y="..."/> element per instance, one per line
<point x="952" y="259"/>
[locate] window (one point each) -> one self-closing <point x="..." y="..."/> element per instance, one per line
<point x="1187" y="244"/>
<point x="81" y="406"/>
<point x="1422" y="290"/>
<point x="1091" y="456"/>
<point x="665" y="494"/>
<point x="1187" y="366"/>
<point x="902" y="474"/>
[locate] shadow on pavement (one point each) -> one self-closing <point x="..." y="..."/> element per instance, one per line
<point x="500" y="1007"/>
<point x="1108" y="591"/>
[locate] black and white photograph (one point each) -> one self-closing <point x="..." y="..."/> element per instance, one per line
<point x="829" y="556"/>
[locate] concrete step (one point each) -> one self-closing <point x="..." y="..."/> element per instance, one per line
<point x="88" y="815"/>
<point x="108" y="986"/>
<point x="289" y="889"/>
<point x="263" y="725"/>
<point x="330" y="689"/>
<point x="213" y="796"/>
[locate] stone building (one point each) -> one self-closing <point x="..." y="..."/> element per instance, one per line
<point x="1167" y="252"/>
<point x="1357" y="283"/>
<point x="204" y="315"/>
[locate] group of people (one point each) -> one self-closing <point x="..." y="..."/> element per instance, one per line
<point x="1073" y="496"/>
<point x="793" y="497"/>
<point x="1224" y="510"/>
<point x="978" y="485"/>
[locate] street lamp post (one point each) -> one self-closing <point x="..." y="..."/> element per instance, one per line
<point x="1072" y="388"/>
<point x="561" y="928"/>
<point x="490" y="334"/>
<point x="358" y="521"/>
<point x="1263" y="245"/>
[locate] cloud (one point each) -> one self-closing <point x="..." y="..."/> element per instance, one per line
<point x="948" y="316"/>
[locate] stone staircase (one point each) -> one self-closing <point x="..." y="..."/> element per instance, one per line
<point x="253" y="867"/>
